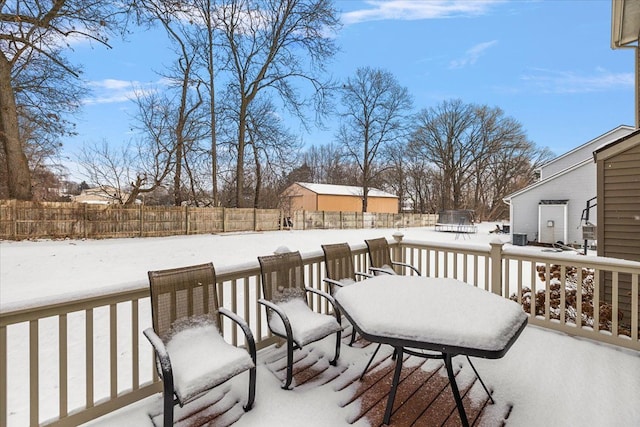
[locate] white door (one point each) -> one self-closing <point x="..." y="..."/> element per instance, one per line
<point x="552" y="223"/>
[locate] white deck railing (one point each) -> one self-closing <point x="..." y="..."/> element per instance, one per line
<point x="85" y="358"/>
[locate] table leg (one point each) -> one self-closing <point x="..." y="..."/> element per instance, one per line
<point x="456" y="392"/>
<point x="394" y="385"/>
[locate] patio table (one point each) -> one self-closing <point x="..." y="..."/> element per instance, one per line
<point x="442" y="315"/>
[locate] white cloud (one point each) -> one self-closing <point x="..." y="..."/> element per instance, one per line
<point x="417" y="10"/>
<point x="110" y="91"/>
<point x="550" y="81"/>
<point x="472" y="55"/>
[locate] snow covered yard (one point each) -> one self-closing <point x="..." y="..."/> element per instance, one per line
<point x="549" y="378"/>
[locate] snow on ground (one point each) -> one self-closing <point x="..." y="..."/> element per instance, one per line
<point x="548" y="377"/>
<point x="51" y="269"/>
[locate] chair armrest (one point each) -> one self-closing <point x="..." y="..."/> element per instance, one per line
<point x="333" y="282"/>
<point x="380" y="270"/>
<point x="408" y="266"/>
<point x="336" y="310"/>
<point x="251" y="342"/>
<point x="162" y="355"/>
<point x="285" y="320"/>
<point x="367" y="275"/>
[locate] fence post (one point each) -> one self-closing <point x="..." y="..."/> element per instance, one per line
<point x="186" y="220"/>
<point x="496" y="266"/>
<point x="224" y="219"/>
<point x="14" y="212"/>
<point x="141" y="221"/>
<point x="84" y="220"/>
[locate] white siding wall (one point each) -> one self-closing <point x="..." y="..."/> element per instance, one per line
<point x="577" y="186"/>
<point x="583" y="152"/>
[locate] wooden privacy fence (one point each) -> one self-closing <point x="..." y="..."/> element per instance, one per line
<point x="32" y="220"/>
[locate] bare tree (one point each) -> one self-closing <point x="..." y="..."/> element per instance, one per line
<point x="36" y="81"/>
<point x="374" y="116"/>
<point x="329" y="165"/>
<point x="274" y="149"/>
<point x="269" y="44"/>
<point x="479" y="154"/>
<point x="188" y="124"/>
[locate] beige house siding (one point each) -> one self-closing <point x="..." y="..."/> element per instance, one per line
<point x="618" y="232"/>
<point x="297" y="197"/>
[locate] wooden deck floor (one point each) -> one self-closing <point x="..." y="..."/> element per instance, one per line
<point x="424" y="397"/>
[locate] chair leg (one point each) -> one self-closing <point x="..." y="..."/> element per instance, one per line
<point x="168" y="406"/>
<point x="287" y="382"/>
<point x="334" y="362"/>
<point x="353" y="336"/>
<point x="252" y="389"/>
<point x="480" y="379"/>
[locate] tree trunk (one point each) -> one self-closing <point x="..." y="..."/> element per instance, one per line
<point x="18" y="174"/>
<point x="242" y="126"/>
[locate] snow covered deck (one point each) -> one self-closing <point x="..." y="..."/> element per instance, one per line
<point x="424" y="396"/>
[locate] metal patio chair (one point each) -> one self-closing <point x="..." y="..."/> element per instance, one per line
<point x="186" y="326"/>
<point x="288" y="313"/>
<point x="338" y="262"/>
<point x="380" y="258"/>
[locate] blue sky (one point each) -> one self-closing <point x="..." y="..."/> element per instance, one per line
<point x="548" y="64"/>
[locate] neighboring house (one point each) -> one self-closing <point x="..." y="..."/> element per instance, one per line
<point x="336" y="198"/>
<point x="618" y="231"/>
<point x="101" y="196"/>
<point x="552" y="209"/>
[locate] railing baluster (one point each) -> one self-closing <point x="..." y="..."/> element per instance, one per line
<point x="634" y="307"/>
<point x="89" y="357"/>
<point x="3" y="375"/>
<point x="563" y="293"/>
<point x="614" y="303"/>
<point x="579" y="280"/>
<point x="34" y="395"/>
<point x="63" y="364"/>
<point x="596" y="300"/>
<point x="234" y="308"/>
<point x="113" y="349"/>
<point x="135" y="344"/>
<point x="247" y="313"/>
<point x="547" y="292"/>
<point x="533" y="291"/>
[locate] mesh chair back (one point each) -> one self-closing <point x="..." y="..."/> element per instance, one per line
<point x="338" y="261"/>
<point x="282" y="276"/>
<point x="180" y="294"/>
<point x="379" y="253"/>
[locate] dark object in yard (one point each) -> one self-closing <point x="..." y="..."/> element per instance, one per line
<point x="286" y="222"/>
<point x="505" y="229"/>
<point x="519" y="239"/>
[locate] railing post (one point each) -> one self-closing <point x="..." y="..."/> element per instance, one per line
<point x="496" y="266"/>
<point x="397" y="236"/>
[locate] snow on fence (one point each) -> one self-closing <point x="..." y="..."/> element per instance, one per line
<point x="33" y="220"/>
<point x="65" y="363"/>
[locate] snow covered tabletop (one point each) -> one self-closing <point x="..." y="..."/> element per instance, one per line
<point x="432" y="313"/>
